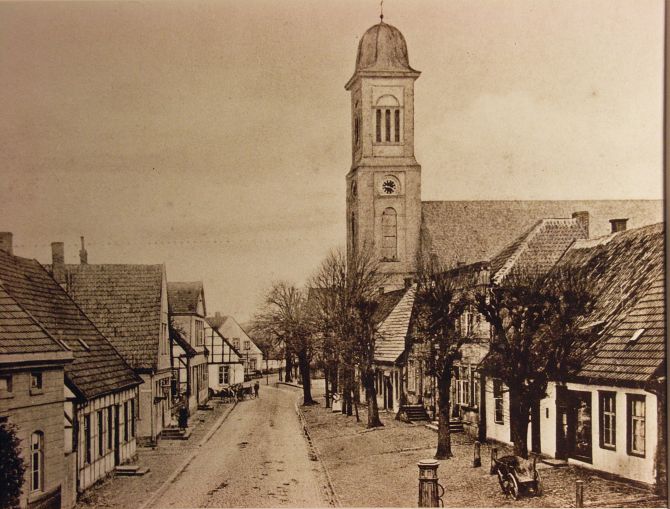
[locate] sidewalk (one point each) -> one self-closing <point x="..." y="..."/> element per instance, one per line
<point x="131" y="492"/>
<point x="378" y="468"/>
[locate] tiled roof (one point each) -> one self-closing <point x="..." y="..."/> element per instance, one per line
<point x="97" y="368"/>
<point x="19" y="332"/>
<point x="385" y="304"/>
<point x="124" y="301"/>
<point x="627" y="273"/>
<point x="470" y="231"/>
<point x="537" y="250"/>
<point x="183" y="297"/>
<point x="392" y="332"/>
<point x="216" y="321"/>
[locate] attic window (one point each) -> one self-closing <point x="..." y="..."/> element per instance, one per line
<point x="636" y="335"/>
<point x="84" y="344"/>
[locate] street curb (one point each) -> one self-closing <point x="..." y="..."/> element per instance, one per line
<point x="334" y="498"/>
<point x="290" y="384"/>
<point x="163" y="487"/>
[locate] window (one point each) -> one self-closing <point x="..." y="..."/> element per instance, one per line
<point x="236" y="343"/>
<point x="125" y="421"/>
<point x="389" y="235"/>
<point x="163" y="340"/>
<point x="87" y="438"/>
<point x="36" y="382"/>
<point x="110" y="429"/>
<point x="199" y="333"/>
<point x="101" y="434"/>
<point x="357" y="130"/>
<point x="353" y="232"/>
<point x="252" y="364"/>
<point x="498" y="399"/>
<point x="223" y="375"/>
<point x="5" y="384"/>
<point x="608" y="420"/>
<point x="387" y="120"/>
<point x="37" y="461"/>
<point x="636" y="424"/>
<point x="132" y="417"/>
<point x="247" y="345"/>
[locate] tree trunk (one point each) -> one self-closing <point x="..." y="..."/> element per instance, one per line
<point x="303" y="365"/>
<point x="443" y="434"/>
<point x="289" y="367"/>
<point x="333" y="377"/>
<point x="662" y="440"/>
<point x="325" y="380"/>
<point x="371" y="398"/>
<point x="519" y="413"/>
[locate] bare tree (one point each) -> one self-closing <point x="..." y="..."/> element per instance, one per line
<point x="439" y="304"/>
<point x="537" y="335"/>
<point x="346" y="296"/>
<point x="285" y="317"/>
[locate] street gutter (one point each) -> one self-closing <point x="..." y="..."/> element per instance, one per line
<point x="163" y="487"/>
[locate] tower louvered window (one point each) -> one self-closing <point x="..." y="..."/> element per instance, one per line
<point x="388" y="116"/>
<point x="389" y="234"/>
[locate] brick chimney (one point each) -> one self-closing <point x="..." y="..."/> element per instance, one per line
<point x="582" y="218"/>
<point x="58" y="261"/>
<point x="618" y="225"/>
<point x="83" y="254"/>
<point x="6" y="242"/>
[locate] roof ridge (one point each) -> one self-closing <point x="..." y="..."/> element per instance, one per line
<point x="514" y="256"/>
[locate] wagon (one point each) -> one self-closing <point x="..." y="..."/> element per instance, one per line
<point x="518" y="476"/>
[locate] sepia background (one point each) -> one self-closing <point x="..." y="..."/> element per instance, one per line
<point x="215" y="136"/>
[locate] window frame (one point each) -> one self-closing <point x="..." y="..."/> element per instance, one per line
<point x="603" y="415"/>
<point x="630" y="419"/>
<point x="36" y="382"/>
<point x="498" y="399"/>
<point x="87" y="439"/>
<point x="101" y="433"/>
<point x="38" y="453"/>
<point x="389" y="253"/>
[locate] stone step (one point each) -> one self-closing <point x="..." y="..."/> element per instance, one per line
<point x="130" y="470"/>
<point x="175" y="434"/>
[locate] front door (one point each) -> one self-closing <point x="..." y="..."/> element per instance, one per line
<point x="117" y="435"/>
<point x="579" y="426"/>
<point x="535" y="428"/>
<point x="561" y="423"/>
<point x="389" y="393"/>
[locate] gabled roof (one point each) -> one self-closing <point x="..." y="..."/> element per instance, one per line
<point x="626" y="271"/>
<point x="183" y="297"/>
<point x="124" y="301"/>
<point x="538" y="249"/>
<point x="390" y="343"/>
<point x="97" y="368"/>
<point x="386" y="303"/>
<point x="20" y="333"/>
<point x="469" y="231"/>
<point x="230" y="345"/>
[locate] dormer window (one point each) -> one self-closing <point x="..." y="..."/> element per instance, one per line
<point x="388" y="120"/>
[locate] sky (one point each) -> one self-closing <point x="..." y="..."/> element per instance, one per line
<point x="214" y="136"/>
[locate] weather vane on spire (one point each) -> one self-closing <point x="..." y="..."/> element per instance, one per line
<point x="381" y="10"/>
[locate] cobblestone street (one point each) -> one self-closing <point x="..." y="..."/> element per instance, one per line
<point x="378" y="468"/>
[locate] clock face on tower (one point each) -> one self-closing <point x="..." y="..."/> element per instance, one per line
<point x="389" y="186"/>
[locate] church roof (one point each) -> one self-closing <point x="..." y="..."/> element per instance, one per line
<point x="471" y="231"/>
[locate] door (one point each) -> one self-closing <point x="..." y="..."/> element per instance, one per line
<point x="117" y="435"/>
<point x="579" y="426"/>
<point x="389" y="393"/>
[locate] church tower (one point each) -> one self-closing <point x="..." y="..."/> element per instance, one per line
<point x="384" y="183"/>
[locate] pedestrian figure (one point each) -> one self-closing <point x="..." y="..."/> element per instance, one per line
<point x="256" y="387"/>
<point x="183" y="416"/>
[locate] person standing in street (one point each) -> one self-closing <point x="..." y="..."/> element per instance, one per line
<point x="256" y="387"/>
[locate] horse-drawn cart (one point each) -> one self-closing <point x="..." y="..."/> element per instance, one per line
<point x="518" y="476"/>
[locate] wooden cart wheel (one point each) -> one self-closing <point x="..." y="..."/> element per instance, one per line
<point x="513" y="487"/>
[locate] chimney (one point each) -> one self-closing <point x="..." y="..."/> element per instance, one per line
<point x="6" y="242"/>
<point x="58" y="261"/>
<point x="582" y="218"/>
<point x="408" y="282"/>
<point x="618" y="225"/>
<point x="83" y="254"/>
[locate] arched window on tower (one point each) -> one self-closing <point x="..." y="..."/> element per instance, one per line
<point x="389" y="234"/>
<point x="388" y="121"/>
<point x="353" y="232"/>
<point x="37" y="461"/>
<point x="357" y="126"/>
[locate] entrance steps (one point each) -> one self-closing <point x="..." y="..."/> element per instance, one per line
<point x="455" y="426"/>
<point x="554" y="462"/>
<point x="415" y="412"/>
<point x="130" y="470"/>
<point x="175" y="433"/>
